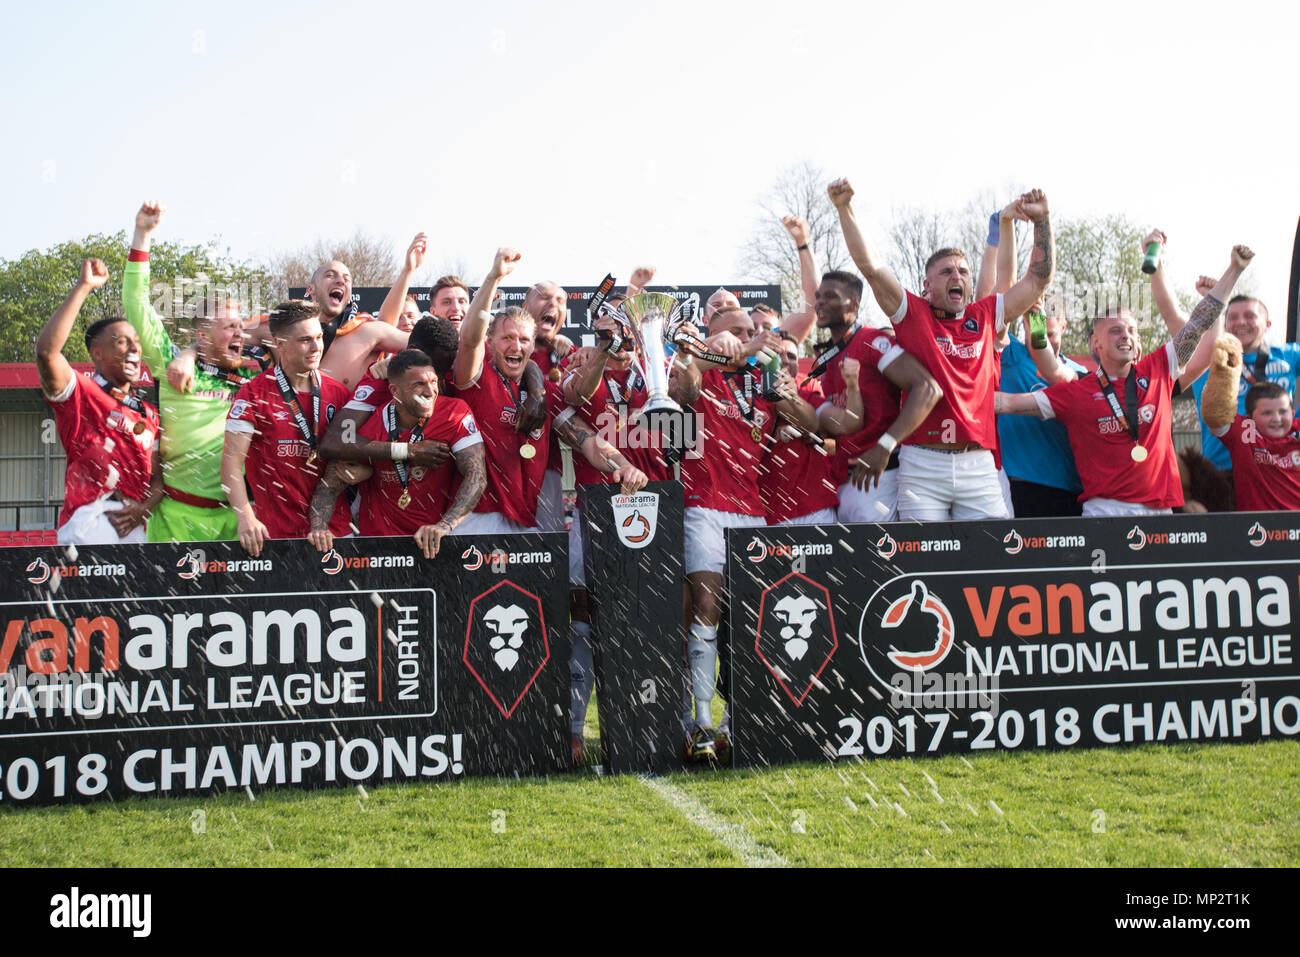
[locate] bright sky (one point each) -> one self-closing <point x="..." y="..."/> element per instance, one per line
<point x="597" y="136"/>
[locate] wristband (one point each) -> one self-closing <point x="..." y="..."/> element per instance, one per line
<point x="887" y="442"/>
<point x="995" y="230"/>
<point x="400" y="450"/>
<point x="801" y="248"/>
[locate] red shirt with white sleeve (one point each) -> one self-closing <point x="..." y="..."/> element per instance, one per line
<point x="1103" y="447"/>
<point x="109" y="445"/>
<point x="277" y="468"/>
<point x="959" y="353"/>
<point x="430" y="489"/>
<point x="730" y="445"/>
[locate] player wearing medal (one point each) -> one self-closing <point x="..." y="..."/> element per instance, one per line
<point x="946" y="467"/>
<point x="1264" y="443"/>
<point x="797" y="484"/>
<point x="864" y="370"/>
<point x="1119" y="418"/>
<point x="608" y="393"/>
<point x="273" y="434"/>
<point x="108" y="433"/>
<point x="399" y="497"/>
<point x="194" y="507"/>
<point x="721" y="478"/>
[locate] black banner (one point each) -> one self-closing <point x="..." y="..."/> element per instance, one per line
<point x="171" y="669"/>
<point x="577" y="325"/>
<point x="634" y="583"/>
<point x="876" y="640"/>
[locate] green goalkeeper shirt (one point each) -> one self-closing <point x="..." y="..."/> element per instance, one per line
<point x="193" y="423"/>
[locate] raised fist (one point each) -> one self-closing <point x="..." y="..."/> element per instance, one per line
<point x="841" y="193"/>
<point x="1155" y="236"/>
<point x="797" y="227"/>
<point x="1227" y="353"/>
<point x="1012" y="211"/>
<point x="1241" y="256"/>
<point x="641" y="277"/>
<point x="849" y="370"/>
<point x="94" y="273"/>
<point x="1203" y="285"/>
<point x="1033" y="205"/>
<point x="151" y="211"/>
<point x="503" y="264"/>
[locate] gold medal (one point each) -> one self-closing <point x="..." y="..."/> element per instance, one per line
<point x="311" y="459"/>
<point x="138" y="427"/>
<point x="756" y="434"/>
<point x="527" y="451"/>
<point x="405" y="500"/>
<point x="1138" y="454"/>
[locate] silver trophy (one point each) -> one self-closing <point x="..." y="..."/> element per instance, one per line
<point x="647" y="318"/>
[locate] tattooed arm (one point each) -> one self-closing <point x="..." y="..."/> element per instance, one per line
<point x="337" y="477"/>
<point x="1207" y="313"/>
<point x="1042" y="261"/>
<point x="471" y="462"/>
<point x="578" y="433"/>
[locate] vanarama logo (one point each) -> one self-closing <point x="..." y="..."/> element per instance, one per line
<point x="636" y="517"/>
<point x="473" y="559"/>
<point x="1259" y="535"/>
<point x="887" y="546"/>
<point x="923" y="614"/>
<point x="1138" y="539"/>
<point x="1013" y="542"/>
<point x="193" y="564"/>
<point x="759" y="550"/>
<point x="332" y="562"/>
<point x="39" y="571"/>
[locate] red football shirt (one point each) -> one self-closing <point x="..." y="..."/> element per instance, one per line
<point x="514" y="482"/>
<point x="276" y="468"/>
<point x="431" y="490"/>
<point x="613" y="421"/>
<point x="874" y="349"/>
<point x="958" y="352"/>
<point x="1265" y="472"/>
<point x="725" y="476"/>
<point x="105" y="452"/>
<point x="798" y="478"/>
<point x="1102" y="447"/>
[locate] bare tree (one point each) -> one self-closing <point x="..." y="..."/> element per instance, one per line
<point x="373" y="262"/>
<point x="770" y="256"/>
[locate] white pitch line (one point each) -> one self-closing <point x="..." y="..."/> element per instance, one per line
<point x="734" y="836"/>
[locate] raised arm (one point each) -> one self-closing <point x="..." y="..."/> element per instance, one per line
<point x="887" y="289"/>
<point x="51" y="364"/>
<point x="391" y="310"/>
<point x="582" y="383"/>
<point x="1219" y="398"/>
<point x="1042" y="261"/>
<point x="797" y="227"/>
<point x="641" y="277"/>
<point x="155" y="344"/>
<point x="473" y="328"/>
<point x="1209" y="309"/>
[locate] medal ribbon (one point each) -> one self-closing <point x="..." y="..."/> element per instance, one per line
<point x="1128" y="421"/>
<point x="290" y="397"/>
<point x="417" y="435"/>
<point x="127" y="398"/>
<point x="830" y="350"/>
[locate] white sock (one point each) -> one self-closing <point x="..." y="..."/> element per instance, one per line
<point x="702" y="650"/>
<point x="582" y="676"/>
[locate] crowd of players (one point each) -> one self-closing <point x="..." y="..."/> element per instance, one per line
<point x="451" y="423"/>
